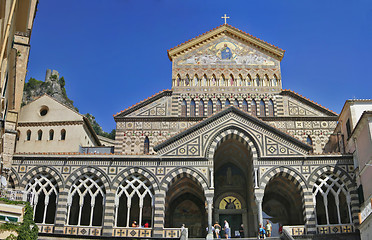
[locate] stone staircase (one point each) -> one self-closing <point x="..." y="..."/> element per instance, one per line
<point x="253" y="238"/>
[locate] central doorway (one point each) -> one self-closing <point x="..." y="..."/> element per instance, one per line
<point x="234" y="187"/>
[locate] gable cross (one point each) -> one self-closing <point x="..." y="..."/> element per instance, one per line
<point x="225" y="17"/>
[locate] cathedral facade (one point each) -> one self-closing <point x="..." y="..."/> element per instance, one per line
<point x="225" y="143"/>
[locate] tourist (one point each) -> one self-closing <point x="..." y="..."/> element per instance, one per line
<point x="134" y="224"/>
<point x="217" y="229"/>
<point x="227" y="230"/>
<point x="241" y="231"/>
<point x="261" y="232"/>
<point x="146" y="225"/>
<point x="268" y="228"/>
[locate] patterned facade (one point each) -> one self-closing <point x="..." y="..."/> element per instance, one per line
<point x="226" y="142"/>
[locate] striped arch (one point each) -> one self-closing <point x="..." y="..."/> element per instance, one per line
<point x="130" y="171"/>
<point x="296" y="178"/>
<point x="178" y="173"/>
<point x="345" y="177"/>
<point x="81" y="171"/>
<point x="289" y="173"/>
<point x="14" y="175"/>
<point x="33" y="172"/>
<point x="231" y="133"/>
<point x="330" y="169"/>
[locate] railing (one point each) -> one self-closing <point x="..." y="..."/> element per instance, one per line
<point x="295" y="230"/>
<point x="335" y="228"/>
<point x="131" y="232"/>
<point x="83" y="230"/>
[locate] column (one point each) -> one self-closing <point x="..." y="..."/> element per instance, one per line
<point x="309" y="212"/>
<point x="159" y="214"/>
<point x="259" y="199"/>
<point x="61" y="212"/>
<point x="210" y="203"/>
<point x="109" y="214"/>
<point x="211" y="172"/>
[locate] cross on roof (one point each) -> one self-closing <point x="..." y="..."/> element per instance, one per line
<point x="225" y="17"/>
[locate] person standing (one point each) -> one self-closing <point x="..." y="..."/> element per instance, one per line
<point x="268" y="228"/>
<point x="217" y="229"/>
<point x="227" y="230"/>
<point x="241" y="231"/>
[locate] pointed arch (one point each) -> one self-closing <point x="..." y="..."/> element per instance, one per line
<point x="266" y="81"/>
<point x="192" y="108"/>
<point x="309" y="140"/>
<point x="213" y="81"/>
<point x="86" y="200"/>
<point x="257" y="81"/>
<point x="262" y="108"/>
<point x="241" y="81"/>
<point x="187" y="80"/>
<point x="204" y="80"/>
<point x="222" y="80"/>
<point x="236" y="103"/>
<point x="42" y="193"/>
<point x="270" y="107"/>
<point x="184" y="171"/>
<point x="183" y="108"/>
<point x="210" y="107"/>
<point x="227" y="103"/>
<point x="63" y="134"/>
<point x="232" y="81"/>
<point x="146" y="145"/>
<point x="201" y="108"/>
<point x="134" y="201"/>
<point x="196" y="81"/>
<point x="218" y="105"/>
<point x="249" y="80"/>
<point x="275" y="81"/>
<point x="245" y="105"/>
<point x="178" y="80"/>
<point x="253" y="108"/>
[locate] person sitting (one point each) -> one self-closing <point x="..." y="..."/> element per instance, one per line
<point x="146" y="225"/>
<point x="134" y="224"/>
<point x="261" y="232"/>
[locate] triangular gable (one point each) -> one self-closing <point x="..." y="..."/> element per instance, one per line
<point x="301" y="106"/>
<point x="230" y="31"/>
<point x="56" y="111"/>
<point x="155" y="105"/>
<point x="269" y="141"/>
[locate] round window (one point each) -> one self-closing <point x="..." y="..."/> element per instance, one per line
<point x="44" y="110"/>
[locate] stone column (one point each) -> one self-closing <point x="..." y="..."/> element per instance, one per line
<point x="259" y="199"/>
<point x="209" y="194"/>
<point x="109" y="217"/>
<point x="159" y="213"/>
<point x="309" y="212"/>
<point x="61" y="212"/>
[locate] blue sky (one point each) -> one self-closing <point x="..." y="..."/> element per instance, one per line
<point x="113" y="53"/>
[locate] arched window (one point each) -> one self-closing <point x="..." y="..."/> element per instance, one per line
<point x="271" y="108"/>
<point x="249" y="80"/>
<point x="236" y="103"/>
<point x="274" y="81"/>
<point x="201" y="108"/>
<point x="39" y="135"/>
<point x="232" y="81"/>
<point x="178" y="81"/>
<point x="85" y="201"/>
<point x="134" y="201"/>
<point x="253" y="108"/>
<point x="192" y="108"/>
<point x="257" y="81"/>
<point x="218" y="105"/>
<point x="196" y="80"/>
<point x="63" y="134"/>
<point x="210" y="107"/>
<point x="213" y="81"/>
<point x="187" y="80"/>
<point x="332" y="200"/>
<point x="245" y="106"/>
<point x="204" y="81"/>
<point x="240" y="81"/>
<point x="227" y="103"/>
<point x="266" y="82"/>
<point x="146" y="146"/>
<point x="262" y="108"/>
<point x="222" y="80"/>
<point x="183" y="108"/>
<point x="42" y="193"/>
<point x="51" y="134"/>
<point x="309" y="140"/>
<point x="28" y="137"/>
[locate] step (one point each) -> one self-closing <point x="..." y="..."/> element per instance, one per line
<point x="252" y="238"/>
